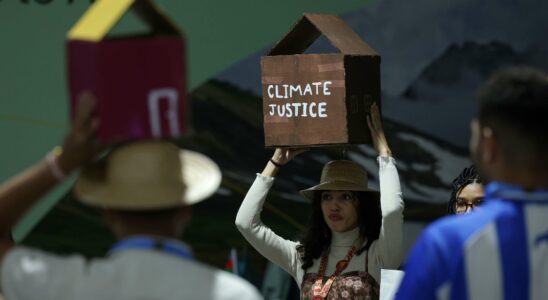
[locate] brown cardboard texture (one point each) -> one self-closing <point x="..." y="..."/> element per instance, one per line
<point x="319" y="99"/>
<point x="139" y="80"/>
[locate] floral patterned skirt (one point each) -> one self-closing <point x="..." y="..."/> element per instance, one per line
<point x="352" y="285"/>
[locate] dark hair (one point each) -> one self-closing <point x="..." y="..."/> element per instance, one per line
<point x="152" y="216"/>
<point x="467" y="176"/>
<point x="317" y="236"/>
<point x="514" y="104"/>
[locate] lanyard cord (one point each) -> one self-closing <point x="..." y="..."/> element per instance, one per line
<point x="157" y="244"/>
<point x="320" y="291"/>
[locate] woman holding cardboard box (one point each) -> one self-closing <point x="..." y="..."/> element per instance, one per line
<point x="353" y="231"/>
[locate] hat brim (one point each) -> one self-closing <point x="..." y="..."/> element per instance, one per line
<point x="337" y="186"/>
<point x="201" y="177"/>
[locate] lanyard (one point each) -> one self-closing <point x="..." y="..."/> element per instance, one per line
<point x="164" y="245"/>
<point x="320" y="292"/>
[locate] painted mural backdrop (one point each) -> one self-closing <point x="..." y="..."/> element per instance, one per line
<point x="434" y="56"/>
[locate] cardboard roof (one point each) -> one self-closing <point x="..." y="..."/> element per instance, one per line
<point x="311" y="26"/>
<point x="103" y="15"/>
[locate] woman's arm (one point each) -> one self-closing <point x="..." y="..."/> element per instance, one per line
<point x="248" y="221"/>
<point x="19" y="193"/>
<point x="389" y="246"/>
<point x="390" y="242"/>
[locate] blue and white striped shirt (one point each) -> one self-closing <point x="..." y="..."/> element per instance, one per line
<point x="499" y="251"/>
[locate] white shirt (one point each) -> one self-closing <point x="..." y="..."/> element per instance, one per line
<point x="145" y="274"/>
<point x="385" y="252"/>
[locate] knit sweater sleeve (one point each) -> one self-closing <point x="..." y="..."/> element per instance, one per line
<point x="248" y="221"/>
<point x="387" y="251"/>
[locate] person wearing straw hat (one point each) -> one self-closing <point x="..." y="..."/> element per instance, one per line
<point x="145" y="189"/>
<point x="353" y="230"/>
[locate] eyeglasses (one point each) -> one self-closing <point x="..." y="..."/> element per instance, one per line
<point x="462" y="207"/>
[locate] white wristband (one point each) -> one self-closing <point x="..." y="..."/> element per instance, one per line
<point x="53" y="165"/>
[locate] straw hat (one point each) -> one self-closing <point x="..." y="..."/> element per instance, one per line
<point x="148" y="175"/>
<point x="341" y="175"/>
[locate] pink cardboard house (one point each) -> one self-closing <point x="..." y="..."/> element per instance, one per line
<point x="139" y="81"/>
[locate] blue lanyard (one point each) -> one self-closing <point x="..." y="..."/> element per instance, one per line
<point x="167" y="246"/>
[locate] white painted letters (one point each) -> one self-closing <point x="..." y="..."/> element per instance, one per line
<point x="269" y="91"/>
<point x="322" y="110"/>
<point x="326" y="88"/>
<point x="278" y="93"/>
<point x="172" y="116"/>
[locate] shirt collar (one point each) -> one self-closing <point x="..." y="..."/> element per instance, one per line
<point x="169" y="246"/>
<point x="345" y="239"/>
<point x="507" y="191"/>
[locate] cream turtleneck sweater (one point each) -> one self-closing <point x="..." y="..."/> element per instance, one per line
<point x="384" y="253"/>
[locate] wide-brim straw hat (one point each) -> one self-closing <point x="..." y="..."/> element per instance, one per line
<point x="148" y="175"/>
<point x="342" y="175"/>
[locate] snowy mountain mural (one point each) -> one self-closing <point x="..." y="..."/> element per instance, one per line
<point x="426" y="39"/>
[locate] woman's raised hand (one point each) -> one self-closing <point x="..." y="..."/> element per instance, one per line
<point x="80" y="146"/>
<point x="377" y="132"/>
<point x="284" y="155"/>
<point x="280" y="157"/>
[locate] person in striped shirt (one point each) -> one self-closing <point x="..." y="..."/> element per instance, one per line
<point x="499" y="251"/>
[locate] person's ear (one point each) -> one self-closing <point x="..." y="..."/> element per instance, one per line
<point x="185" y="214"/>
<point x="182" y="219"/>
<point x="112" y="219"/>
<point x="109" y="216"/>
<point x="490" y="150"/>
<point x="474" y="137"/>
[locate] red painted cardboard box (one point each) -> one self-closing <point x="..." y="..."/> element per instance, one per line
<point x="319" y="99"/>
<point x="139" y="81"/>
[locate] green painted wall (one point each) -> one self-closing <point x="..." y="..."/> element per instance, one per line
<point x="33" y="97"/>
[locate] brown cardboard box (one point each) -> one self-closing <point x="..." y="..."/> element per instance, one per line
<point x="139" y="80"/>
<point x="319" y="99"/>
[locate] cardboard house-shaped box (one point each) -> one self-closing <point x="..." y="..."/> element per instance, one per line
<point x="138" y="80"/>
<point x="319" y="99"/>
